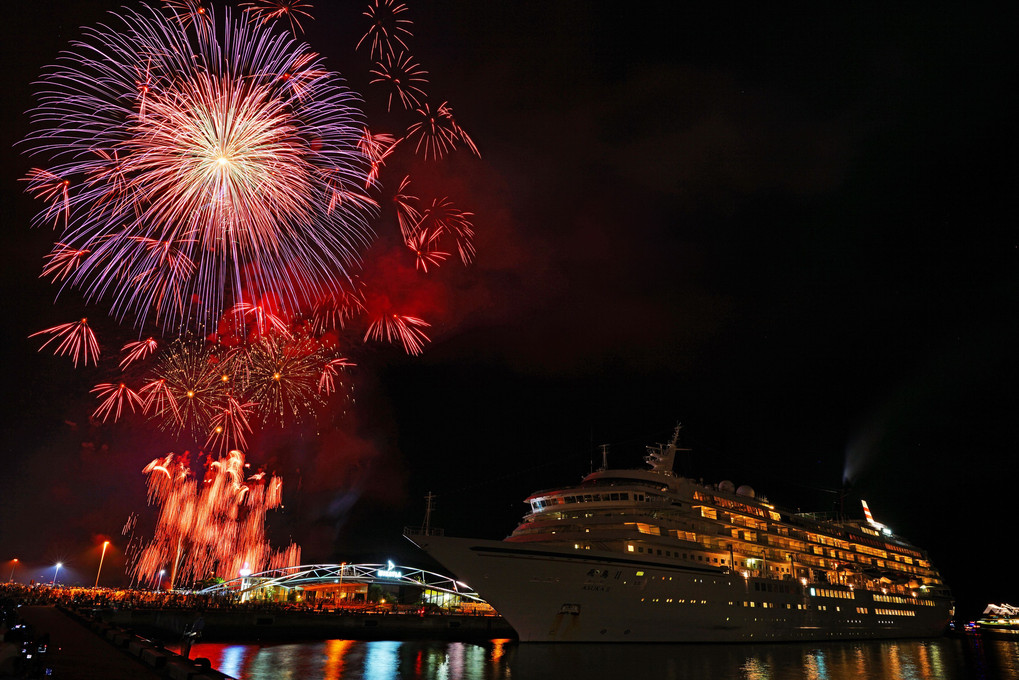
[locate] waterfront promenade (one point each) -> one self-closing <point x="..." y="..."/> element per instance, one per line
<point x="80" y="646"/>
<point x="78" y="652"/>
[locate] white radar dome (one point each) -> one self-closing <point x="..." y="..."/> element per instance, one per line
<point x="726" y="485"/>
<point x="745" y="490"/>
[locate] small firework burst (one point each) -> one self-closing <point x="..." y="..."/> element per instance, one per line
<point x="407" y="330"/>
<point x="376" y="148"/>
<point x="388" y="28"/>
<point x="188" y="387"/>
<point x="230" y="426"/>
<point x="115" y="396"/>
<point x="280" y="377"/>
<point x="402" y="77"/>
<point x="136" y="351"/>
<point x="424" y="245"/>
<point x="443" y="218"/>
<point x="272" y="10"/>
<point x="62" y="261"/>
<point x="46" y="186"/>
<point x="76" y="340"/>
<point x="436" y="132"/>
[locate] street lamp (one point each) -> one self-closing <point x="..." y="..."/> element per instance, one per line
<point x="11" y="579"/>
<point x="106" y="544"/>
<point x="56" y="568"/>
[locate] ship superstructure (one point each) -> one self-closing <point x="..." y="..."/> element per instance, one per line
<point x="647" y="555"/>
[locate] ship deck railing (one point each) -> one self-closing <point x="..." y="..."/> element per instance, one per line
<point x="422" y="531"/>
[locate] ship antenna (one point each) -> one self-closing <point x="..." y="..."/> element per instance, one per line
<point x="428" y="513"/>
<point x="604" y="456"/>
<point x="661" y="458"/>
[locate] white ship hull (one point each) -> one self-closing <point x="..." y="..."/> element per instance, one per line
<point x="549" y="593"/>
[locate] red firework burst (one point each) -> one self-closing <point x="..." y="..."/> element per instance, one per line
<point x="115" y="396"/>
<point x="388" y="27"/>
<point x="437" y="132"/>
<point x="402" y="77"/>
<point x="136" y="351"/>
<point x="46" y="186"/>
<point x="76" y="340"/>
<point x="62" y="261"/>
<point x="271" y="10"/>
<point x="407" y="330"/>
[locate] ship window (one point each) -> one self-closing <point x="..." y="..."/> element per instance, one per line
<point x="614" y="496"/>
<point x="624" y="496"/>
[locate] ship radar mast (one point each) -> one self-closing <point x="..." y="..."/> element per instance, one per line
<point x="661" y="457"/>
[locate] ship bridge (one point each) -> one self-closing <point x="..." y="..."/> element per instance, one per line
<point x="344" y="584"/>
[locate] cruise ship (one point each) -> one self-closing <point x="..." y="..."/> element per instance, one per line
<point x="646" y="555"/>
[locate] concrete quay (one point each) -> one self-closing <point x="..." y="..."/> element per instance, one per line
<point x="290" y="625"/>
<point x="86" y="649"/>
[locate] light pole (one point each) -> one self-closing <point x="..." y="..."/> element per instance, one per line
<point x="11" y="579"/>
<point x="56" y="568"/>
<point x="106" y="544"/>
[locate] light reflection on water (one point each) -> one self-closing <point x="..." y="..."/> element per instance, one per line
<point x="941" y="659"/>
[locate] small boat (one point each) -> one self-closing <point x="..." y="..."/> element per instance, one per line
<point x="999" y="620"/>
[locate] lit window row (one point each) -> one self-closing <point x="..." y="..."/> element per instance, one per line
<point x="895" y="599"/>
<point x="825" y="592"/>
<point x="894" y="612"/>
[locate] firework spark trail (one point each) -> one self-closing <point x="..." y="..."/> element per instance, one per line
<point x="76" y="340"/>
<point x="161" y="402"/>
<point x="114" y="397"/>
<point x="337" y="309"/>
<point x="376" y="148"/>
<point x="186" y="390"/>
<point x="214" y="528"/>
<point x="443" y="218"/>
<point x="62" y="261"/>
<point x="216" y="153"/>
<point x="395" y="327"/>
<point x="407" y="213"/>
<point x="437" y="132"/>
<point x="327" y="381"/>
<point x="424" y="245"/>
<point x="270" y="10"/>
<point x="280" y="377"/>
<point x="403" y="77"/>
<point x="230" y="426"/>
<point x="46" y="186"/>
<point x="388" y="28"/>
<point x="265" y="321"/>
<point x="136" y="351"/>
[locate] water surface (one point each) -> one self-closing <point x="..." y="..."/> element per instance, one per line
<point x="940" y="659"/>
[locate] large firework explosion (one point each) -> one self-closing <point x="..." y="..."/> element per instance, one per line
<point x="215" y="186"/>
<point x="215" y="189"/>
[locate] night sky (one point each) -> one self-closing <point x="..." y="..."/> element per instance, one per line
<point x="792" y="231"/>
